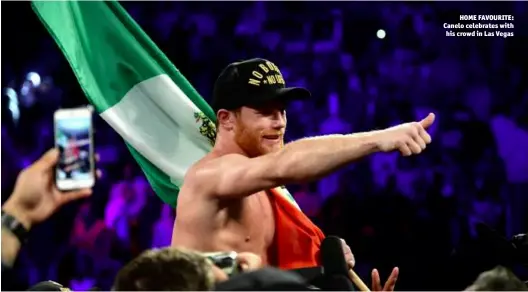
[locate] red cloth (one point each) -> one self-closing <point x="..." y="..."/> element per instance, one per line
<point x="297" y="239"/>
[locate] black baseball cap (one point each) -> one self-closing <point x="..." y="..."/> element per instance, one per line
<point x="252" y="83"/>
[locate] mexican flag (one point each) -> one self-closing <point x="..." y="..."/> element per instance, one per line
<point x="165" y="123"/>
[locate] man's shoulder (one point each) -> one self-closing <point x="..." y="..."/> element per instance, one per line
<point x="213" y="160"/>
<point x="206" y="169"/>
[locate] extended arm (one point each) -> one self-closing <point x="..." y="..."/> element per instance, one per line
<point x="306" y="159"/>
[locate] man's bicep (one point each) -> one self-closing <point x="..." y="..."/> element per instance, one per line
<point x="239" y="176"/>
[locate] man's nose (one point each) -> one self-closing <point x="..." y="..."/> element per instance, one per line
<point x="279" y="121"/>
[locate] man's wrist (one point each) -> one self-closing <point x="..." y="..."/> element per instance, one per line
<point x="18" y="213"/>
<point x="375" y="137"/>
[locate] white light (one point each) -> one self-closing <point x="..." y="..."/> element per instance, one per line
<point x="381" y="34"/>
<point x="13" y="104"/>
<point x="11" y="93"/>
<point x="34" y="78"/>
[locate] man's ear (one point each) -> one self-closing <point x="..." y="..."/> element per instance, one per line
<point x="226" y="119"/>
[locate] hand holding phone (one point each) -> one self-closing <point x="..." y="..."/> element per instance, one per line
<point x="74" y="140"/>
<point x="233" y="263"/>
<point x="226" y="261"/>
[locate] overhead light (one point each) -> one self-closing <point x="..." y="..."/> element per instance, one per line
<point x="381" y="34"/>
<point x="34" y="78"/>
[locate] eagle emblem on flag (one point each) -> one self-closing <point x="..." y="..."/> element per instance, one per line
<point x="207" y="128"/>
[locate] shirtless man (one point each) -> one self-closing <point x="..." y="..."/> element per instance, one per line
<point x="223" y="204"/>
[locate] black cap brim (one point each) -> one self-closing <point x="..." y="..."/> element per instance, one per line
<point x="285" y="95"/>
<point x="293" y="93"/>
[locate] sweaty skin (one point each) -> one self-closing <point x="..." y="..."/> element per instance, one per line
<point x="208" y="224"/>
<point x="223" y="205"/>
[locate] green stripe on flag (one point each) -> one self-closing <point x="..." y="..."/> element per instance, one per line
<point x="165" y="123"/>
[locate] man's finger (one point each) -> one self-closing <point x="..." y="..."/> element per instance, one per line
<point x="49" y="159"/>
<point x="250" y="260"/>
<point x="347" y="252"/>
<point x="414" y="147"/>
<point x="244" y="267"/>
<point x="428" y="121"/>
<point x="376" y="282"/>
<point x="405" y="151"/>
<point x="351" y="263"/>
<point x="391" y="282"/>
<point x="425" y="136"/>
<point x="343" y="242"/>
<point x="421" y="142"/>
<point x="98" y="173"/>
<point x="66" y="197"/>
<point x="346" y="248"/>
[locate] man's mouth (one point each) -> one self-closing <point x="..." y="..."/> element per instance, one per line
<point x="272" y="137"/>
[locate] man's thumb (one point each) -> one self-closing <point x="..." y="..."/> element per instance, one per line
<point x="244" y="267"/>
<point x="49" y="159"/>
<point x="428" y="121"/>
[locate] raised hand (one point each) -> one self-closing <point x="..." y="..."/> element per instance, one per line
<point x="389" y="285"/>
<point x="408" y="138"/>
<point x="35" y="197"/>
<point x="376" y="282"/>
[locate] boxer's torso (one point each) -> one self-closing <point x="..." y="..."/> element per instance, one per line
<point x="206" y="223"/>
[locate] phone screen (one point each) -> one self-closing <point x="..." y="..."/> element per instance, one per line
<point x="73" y="138"/>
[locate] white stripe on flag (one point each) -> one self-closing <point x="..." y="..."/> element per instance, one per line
<point x="157" y="119"/>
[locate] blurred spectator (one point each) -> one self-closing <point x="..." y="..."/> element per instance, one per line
<point x="162" y="229"/>
<point x="86" y="230"/>
<point x="383" y="168"/>
<point x="334" y="124"/>
<point x="176" y="269"/>
<point x="127" y="199"/>
<point x="498" y="279"/>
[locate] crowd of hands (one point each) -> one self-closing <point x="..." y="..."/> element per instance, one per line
<point x="36" y="197"/>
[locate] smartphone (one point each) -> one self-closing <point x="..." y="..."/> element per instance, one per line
<point x="227" y="261"/>
<point x="74" y="139"/>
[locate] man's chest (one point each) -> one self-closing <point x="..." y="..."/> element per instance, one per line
<point x="257" y="217"/>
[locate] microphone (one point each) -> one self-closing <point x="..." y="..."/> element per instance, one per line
<point x="332" y="257"/>
<point x="336" y="270"/>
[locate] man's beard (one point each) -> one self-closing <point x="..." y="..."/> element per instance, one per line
<point x="251" y="143"/>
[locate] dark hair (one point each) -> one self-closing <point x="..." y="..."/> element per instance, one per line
<point x="167" y="269"/>
<point x="498" y="279"/>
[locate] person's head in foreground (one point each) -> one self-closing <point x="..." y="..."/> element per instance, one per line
<point x="250" y="99"/>
<point x="498" y="279"/>
<point x="176" y="269"/>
